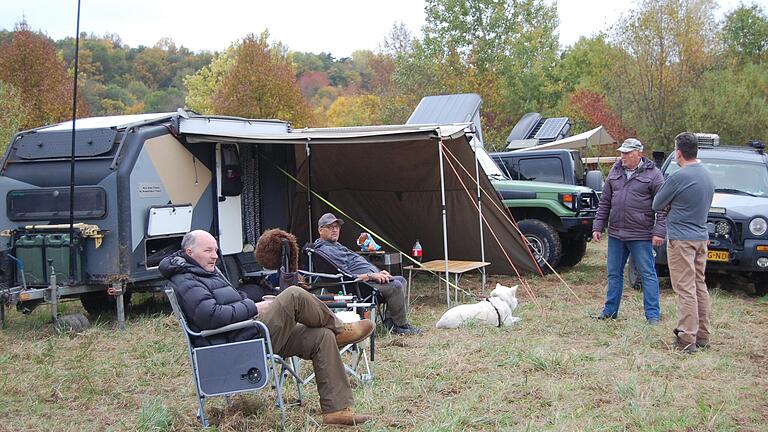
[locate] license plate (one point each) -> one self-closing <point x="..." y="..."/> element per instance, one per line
<point x="716" y="255"/>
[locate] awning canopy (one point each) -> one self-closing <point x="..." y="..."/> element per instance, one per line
<point x="595" y="137"/>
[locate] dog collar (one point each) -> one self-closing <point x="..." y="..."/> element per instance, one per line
<point x="498" y="315"/>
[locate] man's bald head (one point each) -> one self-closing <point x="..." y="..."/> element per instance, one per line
<point x="201" y="246"/>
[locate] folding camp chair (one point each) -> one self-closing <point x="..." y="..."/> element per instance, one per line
<point x="327" y="278"/>
<point x="237" y="367"/>
<point x="324" y="273"/>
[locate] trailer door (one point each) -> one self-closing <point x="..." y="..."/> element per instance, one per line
<point x="229" y="202"/>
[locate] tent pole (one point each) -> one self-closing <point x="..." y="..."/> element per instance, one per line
<point x="309" y="193"/>
<point x="445" y="220"/>
<point x="480" y="215"/>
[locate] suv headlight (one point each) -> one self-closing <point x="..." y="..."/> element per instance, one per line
<point x="758" y="226"/>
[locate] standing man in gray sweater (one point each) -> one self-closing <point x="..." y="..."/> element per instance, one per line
<point x="688" y="194"/>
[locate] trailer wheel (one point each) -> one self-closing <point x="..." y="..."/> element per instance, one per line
<point x="543" y="241"/>
<point x="72" y="323"/>
<point x="99" y="302"/>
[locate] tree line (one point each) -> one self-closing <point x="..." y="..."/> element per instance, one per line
<point x="663" y="67"/>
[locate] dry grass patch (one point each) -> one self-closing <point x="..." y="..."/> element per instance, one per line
<point x="555" y="370"/>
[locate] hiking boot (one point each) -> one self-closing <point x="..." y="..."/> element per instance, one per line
<point x="603" y="316"/>
<point x="702" y="343"/>
<point x="688" y="348"/>
<point x="388" y="323"/>
<point x="345" y="417"/>
<point x="407" y="329"/>
<point x="355" y="332"/>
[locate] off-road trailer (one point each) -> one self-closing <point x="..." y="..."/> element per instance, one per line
<point x="140" y="184"/>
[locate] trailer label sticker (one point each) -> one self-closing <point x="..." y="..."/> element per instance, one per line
<point x="150" y="190"/>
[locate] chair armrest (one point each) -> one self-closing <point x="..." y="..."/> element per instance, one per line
<point x="325" y="275"/>
<point x="228" y="328"/>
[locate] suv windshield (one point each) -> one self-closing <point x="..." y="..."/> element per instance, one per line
<point x="733" y="176"/>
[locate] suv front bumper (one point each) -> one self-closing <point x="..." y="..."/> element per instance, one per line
<point x="739" y="260"/>
<point x="581" y="225"/>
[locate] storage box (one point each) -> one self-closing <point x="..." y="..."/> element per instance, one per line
<point x="389" y="261"/>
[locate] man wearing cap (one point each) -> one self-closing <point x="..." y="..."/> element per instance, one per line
<point x="392" y="288"/>
<point x="633" y="227"/>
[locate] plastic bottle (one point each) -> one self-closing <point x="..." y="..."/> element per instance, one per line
<point x="417" y="252"/>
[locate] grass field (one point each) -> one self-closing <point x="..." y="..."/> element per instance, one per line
<point x="555" y="370"/>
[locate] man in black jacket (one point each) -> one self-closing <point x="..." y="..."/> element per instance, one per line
<point x="299" y="324"/>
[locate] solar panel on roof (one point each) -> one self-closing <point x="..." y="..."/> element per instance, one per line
<point x="551" y="128"/>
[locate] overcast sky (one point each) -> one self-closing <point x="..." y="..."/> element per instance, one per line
<point x="336" y="26"/>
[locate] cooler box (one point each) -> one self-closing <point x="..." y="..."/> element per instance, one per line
<point x="389" y="261"/>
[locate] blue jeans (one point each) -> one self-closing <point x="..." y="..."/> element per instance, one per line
<point x="642" y="253"/>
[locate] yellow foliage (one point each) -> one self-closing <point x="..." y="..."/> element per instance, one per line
<point x="358" y="110"/>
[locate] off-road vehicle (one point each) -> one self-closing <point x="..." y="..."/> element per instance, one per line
<point x="563" y="166"/>
<point x="738" y="218"/>
<point x="556" y="219"/>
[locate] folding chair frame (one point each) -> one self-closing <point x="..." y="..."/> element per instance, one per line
<point x="271" y="360"/>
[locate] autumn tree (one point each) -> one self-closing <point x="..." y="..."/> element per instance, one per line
<point x="591" y="109"/>
<point x="12" y="116"/>
<point x="358" y="110"/>
<point x="398" y="41"/>
<point x="667" y="45"/>
<point x="202" y="86"/>
<point x="504" y="50"/>
<point x="730" y="102"/>
<point x="745" y="34"/>
<point x="29" y="63"/>
<point x="588" y="64"/>
<point x="261" y="84"/>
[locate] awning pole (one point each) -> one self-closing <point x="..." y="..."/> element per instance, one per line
<point x="309" y="192"/>
<point x="445" y="220"/>
<point x="480" y="214"/>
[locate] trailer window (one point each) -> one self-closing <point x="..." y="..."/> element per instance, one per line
<point x="53" y="203"/>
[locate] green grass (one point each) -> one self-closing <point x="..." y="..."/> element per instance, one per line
<point x="555" y="370"/>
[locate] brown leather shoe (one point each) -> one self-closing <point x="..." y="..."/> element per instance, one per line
<point x="688" y="348"/>
<point x="345" y="417"/>
<point x="355" y="332"/>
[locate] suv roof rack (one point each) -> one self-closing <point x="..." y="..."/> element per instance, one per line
<point x="757" y="145"/>
<point x="707" y="139"/>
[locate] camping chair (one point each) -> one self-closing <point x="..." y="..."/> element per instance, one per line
<point x="276" y="248"/>
<point x="236" y="367"/>
<point x="324" y="273"/>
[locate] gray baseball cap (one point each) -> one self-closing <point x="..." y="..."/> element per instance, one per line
<point x="630" y="145"/>
<point x="328" y="219"/>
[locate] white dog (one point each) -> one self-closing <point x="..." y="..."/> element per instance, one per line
<point x="496" y="310"/>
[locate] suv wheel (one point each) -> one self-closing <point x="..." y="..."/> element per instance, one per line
<point x="543" y="241"/>
<point x="632" y="275"/>
<point x="573" y="251"/>
<point x="761" y="286"/>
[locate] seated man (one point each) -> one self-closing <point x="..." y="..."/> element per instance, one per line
<point x="299" y="324"/>
<point x="392" y="288"/>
